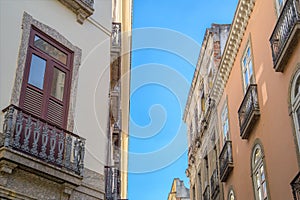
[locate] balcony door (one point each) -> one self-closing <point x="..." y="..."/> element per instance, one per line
<point x="47" y="78"/>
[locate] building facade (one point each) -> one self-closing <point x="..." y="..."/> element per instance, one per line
<point x="178" y="191"/>
<point x="255" y="92"/>
<point x="56" y="98"/>
<point x="200" y="116"/>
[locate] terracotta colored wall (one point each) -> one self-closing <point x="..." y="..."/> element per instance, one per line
<point x="274" y="128"/>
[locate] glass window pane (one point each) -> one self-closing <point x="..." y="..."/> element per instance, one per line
<point x="246" y="78"/>
<point x="250" y="68"/>
<point x="58" y="84"/>
<point x="50" y="49"/>
<point x="297" y="87"/>
<point x="262" y="173"/>
<point x="248" y="52"/>
<point x="265" y="190"/>
<point x="37" y="71"/>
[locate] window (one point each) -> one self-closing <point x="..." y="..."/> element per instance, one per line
<point x="247" y="68"/>
<point x="196" y="120"/>
<point x="279" y="5"/>
<point x="47" y="79"/>
<point x="231" y="195"/>
<point x="199" y="185"/>
<point x="258" y="174"/>
<point x="225" y="123"/>
<point x="194" y="193"/>
<point x="295" y="103"/>
<point x="202" y="103"/>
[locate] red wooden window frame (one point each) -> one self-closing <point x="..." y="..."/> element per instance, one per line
<point x="47" y="107"/>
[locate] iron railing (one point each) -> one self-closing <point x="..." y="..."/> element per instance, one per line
<point x="296" y="187"/>
<point x="289" y="17"/>
<point x="248" y="111"/>
<point x="214" y="183"/>
<point x="116" y="35"/>
<point x="112" y="183"/>
<point x="43" y="140"/>
<point x="89" y="3"/>
<point x="226" y="161"/>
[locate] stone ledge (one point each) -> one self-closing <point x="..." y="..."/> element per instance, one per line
<point x="38" y="167"/>
<point x="7" y="193"/>
<point x="82" y="8"/>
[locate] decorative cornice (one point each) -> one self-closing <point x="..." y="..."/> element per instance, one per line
<point x="82" y="8"/>
<point x="237" y="30"/>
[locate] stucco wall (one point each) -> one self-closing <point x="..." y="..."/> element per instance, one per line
<point x="274" y="128"/>
<point x="93" y="38"/>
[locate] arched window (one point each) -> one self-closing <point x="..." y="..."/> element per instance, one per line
<point x="295" y="103"/>
<point x="258" y="174"/>
<point x="231" y="195"/>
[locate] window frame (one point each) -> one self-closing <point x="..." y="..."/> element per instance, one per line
<point x="231" y="193"/>
<point x="27" y="22"/>
<point x="251" y="79"/>
<point x="255" y="169"/>
<point x="279" y="7"/>
<point x="51" y="63"/>
<point x="295" y="105"/>
<point x="226" y="136"/>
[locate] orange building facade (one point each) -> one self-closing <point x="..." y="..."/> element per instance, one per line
<point x="256" y="92"/>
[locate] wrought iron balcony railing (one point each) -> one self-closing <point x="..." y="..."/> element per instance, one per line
<point x="116" y="35"/>
<point x="285" y="34"/>
<point x="296" y="187"/>
<point x="40" y="139"/>
<point x="206" y="194"/>
<point x="226" y="161"/>
<point x="249" y="111"/>
<point x="214" y="184"/>
<point x="112" y="183"/>
<point x="89" y="3"/>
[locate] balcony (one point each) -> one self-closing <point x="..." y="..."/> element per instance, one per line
<point x="286" y="34"/>
<point x="296" y="187"/>
<point x="116" y="35"/>
<point x="249" y="111"/>
<point x="214" y="184"/>
<point x="226" y="161"/>
<point x="82" y="8"/>
<point x="206" y="194"/>
<point x="112" y="183"/>
<point x="37" y="144"/>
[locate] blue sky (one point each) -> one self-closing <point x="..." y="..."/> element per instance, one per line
<point x="167" y="36"/>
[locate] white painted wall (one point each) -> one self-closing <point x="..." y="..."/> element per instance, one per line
<point x="92" y="37"/>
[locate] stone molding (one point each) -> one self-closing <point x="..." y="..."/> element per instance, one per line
<point x="8" y="193"/>
<point x="82" y="8"/>
<point x="38" y="167"/>
<point x="238" y="28"/>
<point x="27" y="22"/>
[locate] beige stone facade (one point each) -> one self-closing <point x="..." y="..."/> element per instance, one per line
<point x="200" y="116"/>
<point x="255" y="95"/>
<point x="178" y="191"/>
